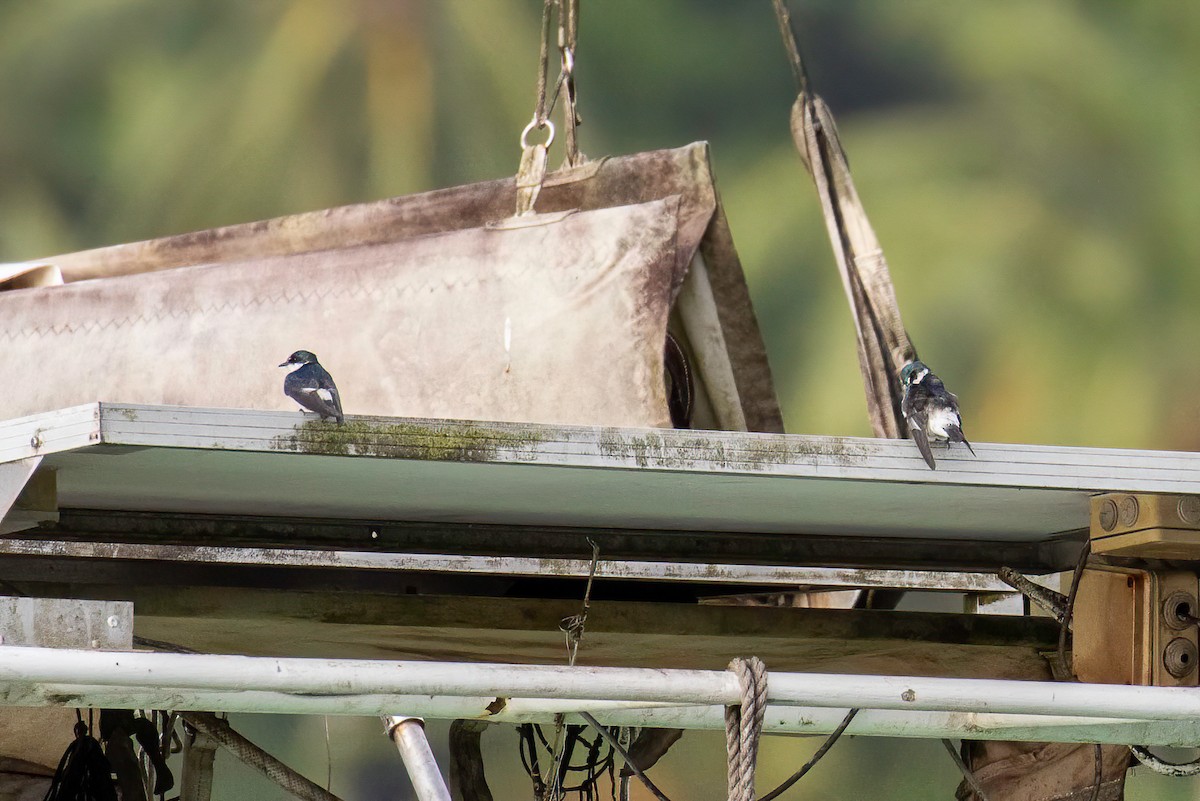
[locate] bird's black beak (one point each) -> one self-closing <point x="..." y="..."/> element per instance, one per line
<point x="284" y="364"/>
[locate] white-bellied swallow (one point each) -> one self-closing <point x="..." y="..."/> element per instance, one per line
<point x="930" y="410"/>
<point x="310" y="385"/>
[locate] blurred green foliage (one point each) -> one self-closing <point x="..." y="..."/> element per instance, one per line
<point x="1032" y="168"/>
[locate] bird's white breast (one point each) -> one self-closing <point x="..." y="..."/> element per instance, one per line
<point x="938" y="421"/>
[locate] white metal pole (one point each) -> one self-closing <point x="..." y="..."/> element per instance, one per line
<point x="408" y="734"/>
<point x="346" y="677"/>
<point x="779" y="719"/>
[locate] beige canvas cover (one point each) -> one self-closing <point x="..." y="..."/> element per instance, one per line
<point x="552" y="320"/>
<point x="435" y="305"/>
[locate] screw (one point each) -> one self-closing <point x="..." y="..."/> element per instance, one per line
<point x="113" y="622"/>
<point x="35" y="441"/>
<point x="908" y="695"/>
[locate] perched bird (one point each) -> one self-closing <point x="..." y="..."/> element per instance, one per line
<point x="310" y="385"/>
<point x="930" y="410"/>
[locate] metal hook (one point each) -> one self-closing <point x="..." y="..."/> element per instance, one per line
<point x="534" y="123"/>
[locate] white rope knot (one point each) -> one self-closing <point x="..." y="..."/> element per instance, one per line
<point x="743" y="725"/>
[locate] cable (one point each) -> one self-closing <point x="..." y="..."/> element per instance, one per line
<point x="1160" y="765"/>
<point x="620" y="749"/>
<point x="1068" y="613"/>
<point x="824" y="749"/>
<point x="976" y="787"/>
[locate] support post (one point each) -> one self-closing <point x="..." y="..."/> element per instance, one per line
<point x="408" y="733"/>
<point x="199" y="753"/>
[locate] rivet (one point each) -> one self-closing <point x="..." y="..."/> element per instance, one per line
<point x="908" y="695"/>
<point x="35" y="441"/>
<point x="113" y="622"/>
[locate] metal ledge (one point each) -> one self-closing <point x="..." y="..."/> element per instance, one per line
<point x="854" y="491"/>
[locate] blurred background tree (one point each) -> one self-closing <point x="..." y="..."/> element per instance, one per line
<point x="1032" y="168"/>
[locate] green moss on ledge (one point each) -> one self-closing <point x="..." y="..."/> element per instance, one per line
<point x="439" y="442"/>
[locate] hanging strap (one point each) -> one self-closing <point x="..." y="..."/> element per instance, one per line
<point x="883" y="344"/>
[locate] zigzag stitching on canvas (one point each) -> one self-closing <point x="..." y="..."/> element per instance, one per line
<point x="303" y="296"/>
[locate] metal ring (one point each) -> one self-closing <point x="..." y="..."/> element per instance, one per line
<point x="534" y="124"/>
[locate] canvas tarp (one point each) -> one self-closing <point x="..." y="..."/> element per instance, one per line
<point x="553" y="321"/>
<point x="436" y="305"/>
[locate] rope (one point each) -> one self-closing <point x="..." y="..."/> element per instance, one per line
<point x="795" y="61"/>
<point x="743" y="725"/>
<point x="539" y="110"/>
<point x="255" y="757"/>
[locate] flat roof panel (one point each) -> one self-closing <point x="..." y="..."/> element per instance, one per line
<point x="224" y="461"/>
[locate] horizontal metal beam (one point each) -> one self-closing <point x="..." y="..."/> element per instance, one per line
<point x="901" y="706"/>
<point x="713" y="574"/>
<point x="565" y="542"/>
<point x="792" y="455"/>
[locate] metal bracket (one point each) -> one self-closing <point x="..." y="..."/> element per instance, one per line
<point x="66" y="623"/>
<point x="1135" y="614"/>
<point x="28" y="496"/>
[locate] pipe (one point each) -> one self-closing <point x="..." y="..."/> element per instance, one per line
<point x="779" y="719"/>
<point x="408" y="734"/>
<point x="349" y="677"/>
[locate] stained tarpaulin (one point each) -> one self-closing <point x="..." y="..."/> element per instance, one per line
<point x="436" y="305"/>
